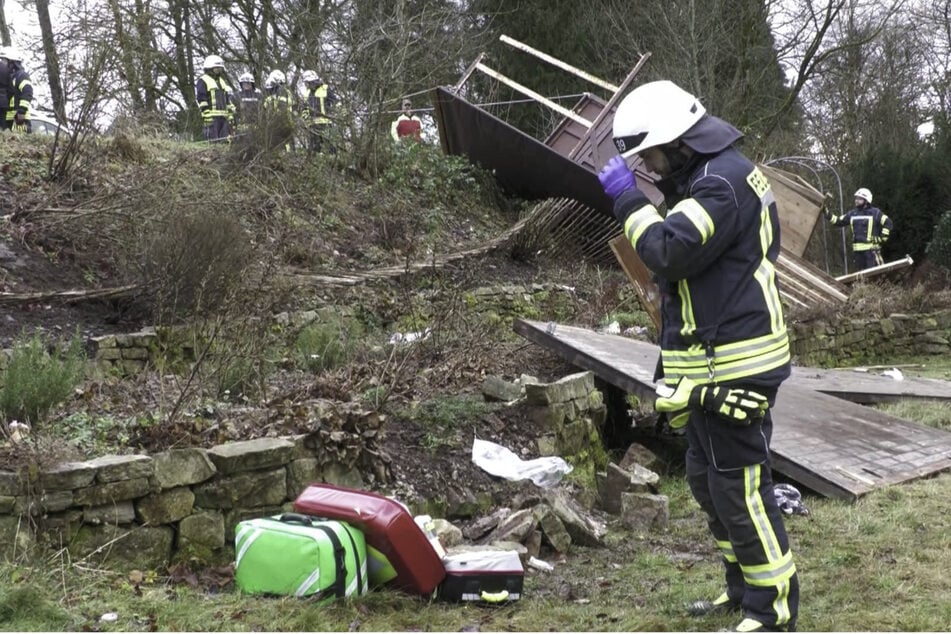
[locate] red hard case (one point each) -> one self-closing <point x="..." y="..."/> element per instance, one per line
<point x="388" y="527"/>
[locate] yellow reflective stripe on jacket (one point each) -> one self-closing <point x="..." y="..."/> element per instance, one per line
<point x="765" y="273"/>
<point x="639" y="221"/>
<point x="864" y="246"/>
<point x="869" y="225"/>
<point x="213" y="88"/>
<point x="697" y="215"/>
<point x="686" y="309"/>
<point x="321" y="94"/>
<point x="17" y="101"/>
<point x="733" y="361"/>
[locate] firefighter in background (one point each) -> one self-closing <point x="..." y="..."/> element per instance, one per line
<point x="407" y="125"/>
<point x="870" y="230"/>
<point x="17" y="91"/>
<point x="248" y="99"/>
<point x="724" y="345"/>
<point x="215" y="99"/>
<point x="277" y="98"/>
<point x="277" y="109"/>
<point x="319" y="102"/>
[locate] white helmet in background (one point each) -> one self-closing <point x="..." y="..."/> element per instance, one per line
<point x="309" y="76"/>
<point x="864" y="194"/>
<point x="11" y="54"/>
<point x="213" y="61"/>
<point x="246" y="78"/>
<point x="276" y="78"/>
<point x="654" y="114"/>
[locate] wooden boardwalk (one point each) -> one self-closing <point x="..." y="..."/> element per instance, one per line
<point x="832" y="445"/>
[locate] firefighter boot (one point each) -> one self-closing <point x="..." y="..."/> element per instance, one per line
<point x="752" y="625"/>
<point x="721" y="605"/>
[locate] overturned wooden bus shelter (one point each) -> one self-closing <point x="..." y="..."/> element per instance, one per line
<point x="564" y="166"/>
<point x="821" y="437"/>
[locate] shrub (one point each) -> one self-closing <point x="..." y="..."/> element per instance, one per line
<point x="195" y="264"/>
<point x="325" y="345"/>
<point x="939" y="248"/>
<point x="36" y="380"/>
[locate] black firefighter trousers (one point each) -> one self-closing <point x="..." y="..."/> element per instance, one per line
<point x="729" y="475"/>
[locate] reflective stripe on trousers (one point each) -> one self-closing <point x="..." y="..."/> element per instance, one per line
<point x="729" y="476"/>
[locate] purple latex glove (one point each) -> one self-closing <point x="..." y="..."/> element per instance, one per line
<point x="616" y="178"/>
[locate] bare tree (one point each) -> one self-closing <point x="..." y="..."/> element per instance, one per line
<point x="803" y="36"/>
<point x="4" y="30"/>
<point x="867" y="90"/>
<point x="52" y="58"/>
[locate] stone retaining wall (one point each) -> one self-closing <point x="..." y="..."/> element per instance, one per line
<point x="569" y="414"/>
<point x="821" y="343"/>
<point x="141" y="511"/>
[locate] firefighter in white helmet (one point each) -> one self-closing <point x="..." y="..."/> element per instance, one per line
<point x="277" y="109"/>
<point x="16" y="91"/>
<point x="724" y="346"/>
<point x="317" y="112"/>
<point x="871" y="228"/>
<point x="215" y="99"/>
<point x="248" y="98"/>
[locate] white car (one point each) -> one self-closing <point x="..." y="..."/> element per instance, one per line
<point x="43" y="124"/>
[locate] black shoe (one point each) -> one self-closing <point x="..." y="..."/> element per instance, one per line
<point x="721" y="605"/>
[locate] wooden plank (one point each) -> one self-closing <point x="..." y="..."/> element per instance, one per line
<point x="469" y="70"/>
<point x="511" y="83"/>
<point x="608" y="109"/>
<point x="877" y="270"/>
<point x="799" y="208"/>
<point x="836" y="447"/>
<point x="816" y="276"/>
<point x="554" y="61"/>
<point x="639" y="276"/>
<point x="565" y="136"/>
<point x="868" y="387"/>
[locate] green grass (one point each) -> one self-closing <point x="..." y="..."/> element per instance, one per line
<point x="445" y="417"/>
<point x="875" y="565"/>
<point x="933" y="413"/>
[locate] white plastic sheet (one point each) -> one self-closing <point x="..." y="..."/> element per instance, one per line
<point x="496" y="460"/>
<point x="895" y="373"/>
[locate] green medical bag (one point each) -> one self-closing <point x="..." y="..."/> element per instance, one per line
<point x="299" y="555"/>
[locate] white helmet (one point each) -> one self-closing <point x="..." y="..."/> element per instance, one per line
<point x="11" y="54"/>
<point x="654" y="114"/>
<point x="864" y="193"/>
<point x="276" y="77"/>
<point x="309" y="75"/>
<point x="246" y="78"/>
<point x="213" y="61"/>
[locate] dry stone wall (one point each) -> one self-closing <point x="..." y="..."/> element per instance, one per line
<point x="824" y="343"/>
<point x="144" y="511"/>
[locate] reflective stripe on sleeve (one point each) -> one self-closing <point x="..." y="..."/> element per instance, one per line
<point x="697" y="215"/>
<point x="638" y="222"/>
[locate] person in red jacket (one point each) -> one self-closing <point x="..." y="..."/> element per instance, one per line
<point x="407" y="125"/>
